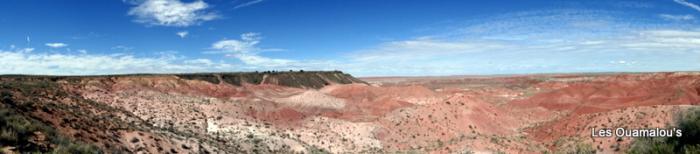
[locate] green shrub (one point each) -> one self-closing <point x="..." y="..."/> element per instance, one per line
<point x="8" y="136"/>
<point x="688" y="143"/>
<point x="690" y="125"/>
<point x="584" y="149"/>
<point x="692" y="149"/>
<point x="16" y="129"/>
<point x="75" y="149"/>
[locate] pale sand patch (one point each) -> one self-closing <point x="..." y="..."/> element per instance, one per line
<point x="312" y="99"/>
<point x="339" y="136"/>
<point x="241" y="130"/>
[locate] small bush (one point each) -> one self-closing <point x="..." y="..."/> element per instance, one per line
<point x="688" y="143"/>
<point x="16" y="130"/>
<point x="584" y="149"/>
<point x="75" y="149"/>
<point x="692" y="149"/>
<point x="8" y="136"/>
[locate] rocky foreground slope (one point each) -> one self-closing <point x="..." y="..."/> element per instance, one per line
<point x="310" y="112"/>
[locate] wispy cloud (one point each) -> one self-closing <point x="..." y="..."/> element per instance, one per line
<point x="121" y="48"/>
<point x="522" y="42"/>
<point x="172" y="13"/>
<point x="677" y="17"/>
<point x="542" y="42"/>
<point x="248" y="3"/>
<point x="642" y="51"/>
<point x="56" y="45"/>
<point x="634" y="4"/>
<point x="182" y="34"/>
<point x="26" y="61"/>
<point x="688" y="4"/>
<point x="246" y="51"/>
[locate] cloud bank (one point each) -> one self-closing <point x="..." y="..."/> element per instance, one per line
<point x="245" y="50"/>
<point x="537" y="42"/>
<point x="26" y="61"/>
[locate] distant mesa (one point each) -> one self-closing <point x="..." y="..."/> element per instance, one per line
<point x="301" y="79"/>
<point x="297" y="79"/>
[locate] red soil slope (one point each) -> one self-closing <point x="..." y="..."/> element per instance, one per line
<point x="512" y="114"/>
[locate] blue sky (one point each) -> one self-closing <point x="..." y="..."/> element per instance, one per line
<point x="364" y="38"/>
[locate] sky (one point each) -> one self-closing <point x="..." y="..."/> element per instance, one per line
<point x="360" y="37"/>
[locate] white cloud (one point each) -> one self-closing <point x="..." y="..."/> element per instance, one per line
<point x="634" y="4"/>
<point x="248" y="3"/>
<point x="246" y="44"/>
<point x="27" y="61"/>
<point x="246" y="51"/>
<point x="56" y="45"/>
<point x="424" y="49"/>
<point x="24" y="61"/>
<point x="541" y="42"/>
<point x="665" y="40"/>
<point x="182" y="34"/>
<point x="688" y="4"/>
<point x="205" y="62"/>
<point x="677" y="17"/>
<point x="172" y="13"/>
<point x="122" y="48"/>
<point x="672" y="33"/>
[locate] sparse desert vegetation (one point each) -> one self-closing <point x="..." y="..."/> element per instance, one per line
<point x="19" y="132"/>
<point x="688" y="143"/>
<point x="332" y="112"/>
